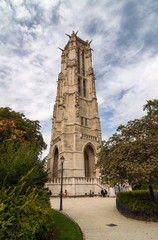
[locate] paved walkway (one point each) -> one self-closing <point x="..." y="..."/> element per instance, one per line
<point x="94" y="214"/>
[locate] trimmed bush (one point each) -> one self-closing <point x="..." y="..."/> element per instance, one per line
<point x="137" y="200"/>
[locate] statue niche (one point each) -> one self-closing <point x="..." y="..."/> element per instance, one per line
<point x="55" y="164"/>
<point x="89" y="161"/>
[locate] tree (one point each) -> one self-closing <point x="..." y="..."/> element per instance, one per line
<point x="8" y="132"/>
<point x="21" y="145"/>
<point x="16" y="162"/>
<point x="131" y="154"/>
<point x="25" y="211"/>
<point x="29" y="129"/>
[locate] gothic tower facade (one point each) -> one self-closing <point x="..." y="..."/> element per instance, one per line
<point x="76" y="132"/>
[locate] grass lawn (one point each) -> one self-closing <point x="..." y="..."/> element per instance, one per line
<point x="64" y="228"/>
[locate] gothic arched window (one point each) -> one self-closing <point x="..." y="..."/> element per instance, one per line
<point x="78" y="60"/>
<point x="79" y="86"/>
<point x="83" y="70"/>
<point x="84" y="88"/>
<point x="55" y="163"/>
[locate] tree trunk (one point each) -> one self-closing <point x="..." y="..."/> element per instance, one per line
<point x="151" y="191"/>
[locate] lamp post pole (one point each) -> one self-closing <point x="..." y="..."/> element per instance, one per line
<point x="61" y="192"/>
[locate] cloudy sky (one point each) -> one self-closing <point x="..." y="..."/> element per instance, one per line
<point x="125" y="57"/>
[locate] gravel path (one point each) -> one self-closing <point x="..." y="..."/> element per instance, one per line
<point x="100" y="220"/>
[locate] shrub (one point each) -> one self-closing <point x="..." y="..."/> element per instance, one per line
<point x="137" y="200"/>
<point x="25" y="211"/>
<point x="24" y="217"/>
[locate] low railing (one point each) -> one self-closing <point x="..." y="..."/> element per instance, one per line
<point x="76" y="180"/>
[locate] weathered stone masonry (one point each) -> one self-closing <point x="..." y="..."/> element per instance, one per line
<point x="76" y="132"/>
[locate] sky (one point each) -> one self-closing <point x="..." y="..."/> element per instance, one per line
<point x="124" y="36"/>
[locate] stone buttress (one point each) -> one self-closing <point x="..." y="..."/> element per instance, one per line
<point x="76" y="132"/>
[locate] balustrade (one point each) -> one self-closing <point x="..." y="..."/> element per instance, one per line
<point x="76" y="180"/>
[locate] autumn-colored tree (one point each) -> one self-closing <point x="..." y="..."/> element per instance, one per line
<point x="21" y="146"/>
<point x="17" y="125"/>
<point x="8" y="132"/>
<point x="25" y="211"/>
<point x="131" y="154"/>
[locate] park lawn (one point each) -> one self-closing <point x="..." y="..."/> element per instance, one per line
<point x="64" y="228"/>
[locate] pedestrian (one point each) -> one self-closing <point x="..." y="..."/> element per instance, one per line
<point x="65" y="193"/>
<point x="50" y="193"/>
<point x="105" y="192"/>
<point x="102" y="193"/>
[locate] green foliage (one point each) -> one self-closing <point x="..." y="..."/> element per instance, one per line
<point x="137" y="200"/>
<point x="24" y="216"/>
<point x="16" y="162"/>
<point x="21" y="146"/>
<point x="65" y="229"/>
<point x="144" y="187"/>
<point x="25" y="211"/>
<point x="151" y="107"/>
<point x="30" y="129"/>
<point x="131" y="154"/>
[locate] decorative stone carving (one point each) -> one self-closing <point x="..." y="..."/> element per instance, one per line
<point x="76" y="100"/>
<point x="71" y="63"/>
<point x="76" y="130"/>
<point x="64" y="99"/>
<point x="54" y="141"/>
<point x="93" y="138"/>
<point x="54" y="111"/>
<point x="90" y="71"/>
<point x="61" y="76"/>
<point x="77" y="113"/>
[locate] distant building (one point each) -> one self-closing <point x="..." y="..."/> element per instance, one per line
<point x="76" y="132"/>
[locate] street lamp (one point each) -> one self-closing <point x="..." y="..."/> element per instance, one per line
<point x="62" y="159"/>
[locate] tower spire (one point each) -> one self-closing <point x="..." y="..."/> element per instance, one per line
<point x="76" y="132"/>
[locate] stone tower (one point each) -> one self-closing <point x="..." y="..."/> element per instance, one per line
<point x="76" y="132"/>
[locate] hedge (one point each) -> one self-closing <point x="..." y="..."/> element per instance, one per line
<point x="137" y="200"/>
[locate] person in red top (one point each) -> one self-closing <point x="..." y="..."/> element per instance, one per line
<point x="65" y="193"/>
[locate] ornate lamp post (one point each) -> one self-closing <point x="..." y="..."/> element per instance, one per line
<point x="62" y="159"/>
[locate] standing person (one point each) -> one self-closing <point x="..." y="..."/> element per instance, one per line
<point x="105" y="192"/>
<point x="102" y="193"/>
<point x="50" y="193"/>
<point x="65" y="193"/>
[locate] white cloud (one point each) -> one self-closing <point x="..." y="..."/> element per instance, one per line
<point x="128" y="89"/>
<point x="125" y="57"/>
